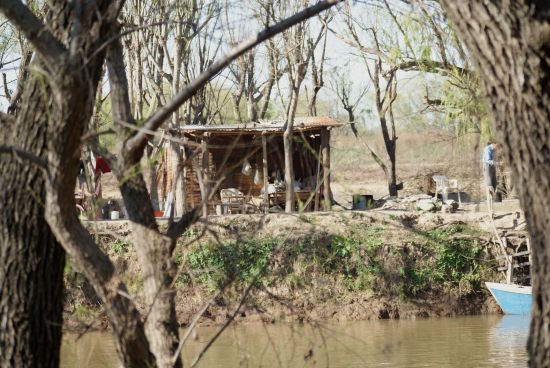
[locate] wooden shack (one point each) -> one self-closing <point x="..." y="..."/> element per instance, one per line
<point x="247" y="161"/>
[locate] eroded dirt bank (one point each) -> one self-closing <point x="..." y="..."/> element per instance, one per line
<point x="307" y="267"/>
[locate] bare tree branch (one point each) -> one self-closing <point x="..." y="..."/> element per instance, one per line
<point x="6" y="89"/>
<point x="138" y="142"/>
<point x="49" y="48"/>
<point x="227" y="322"/>
<point x="177" y="228"/>
<point x="430" y="66"/>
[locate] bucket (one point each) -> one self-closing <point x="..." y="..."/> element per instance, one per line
<point x="361" y="201"/>
<point x="115" y="215"/>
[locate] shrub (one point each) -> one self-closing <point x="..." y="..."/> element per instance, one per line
<point x="216" y="264"/>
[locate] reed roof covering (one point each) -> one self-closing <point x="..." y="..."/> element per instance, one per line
<point x="253" y="128"/>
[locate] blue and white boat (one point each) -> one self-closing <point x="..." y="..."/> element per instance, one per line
<point x="513" y="299"/>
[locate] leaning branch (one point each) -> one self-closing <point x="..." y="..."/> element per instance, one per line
<point x="20" y="16"/>
<point x="6" y="89"/>
<point x="139" y="141"/>
<point x="176" y="229"/>
<point x="227" y="322"/>
<point x="430" y="66"/>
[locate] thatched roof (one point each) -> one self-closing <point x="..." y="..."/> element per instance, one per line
<point x="273" y="127"/>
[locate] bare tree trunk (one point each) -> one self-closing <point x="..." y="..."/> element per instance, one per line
<point x="325" y="152"/>
<point x="288" y="137"/>
<point x="154" y="250"/>
<point x="31" y="260"/>
<point x="317" y="74"/>
<point x="274" y="75"/>
<point x="510" y="44"/>
<point x="152" y="173"/>
<point x="392" y="178"/>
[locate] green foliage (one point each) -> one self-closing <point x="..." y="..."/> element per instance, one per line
<point x="465" y="107"/>
<point x="119" y="246"/>
<point x="350" y="259"/>
<point x="360" y="260"/>
<point x="216" y="264"/>
<point x="456" y="263"/>
<point x="83" y="312"/>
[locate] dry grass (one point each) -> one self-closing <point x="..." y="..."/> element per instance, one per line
<point x="418" y="155"/>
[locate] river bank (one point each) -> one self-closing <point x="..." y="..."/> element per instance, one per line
<point x="341" y="266"/>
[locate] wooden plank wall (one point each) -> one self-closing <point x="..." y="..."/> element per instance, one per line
<point x="166" y="178"/>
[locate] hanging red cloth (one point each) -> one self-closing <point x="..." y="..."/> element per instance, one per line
<point x="101" y="166"/>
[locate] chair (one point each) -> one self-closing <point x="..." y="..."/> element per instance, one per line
<point x="443" y="185"/>
<point x="232" y="200"/>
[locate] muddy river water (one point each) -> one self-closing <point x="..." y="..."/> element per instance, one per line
<point x="484" y="341"/>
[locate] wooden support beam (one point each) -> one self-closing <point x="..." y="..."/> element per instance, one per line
<point x="325" y="151"/>
<point x="184" y="193"/>
<point x="528" y="244"/>
<point x="205" y="175"/>
<point x="318" y="181"/>
<point x="265" y="173"/>
<point x="510" y="266"/>
<point x="518" y="254"/>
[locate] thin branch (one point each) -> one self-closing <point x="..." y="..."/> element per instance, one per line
<point x="196" y="320"/>
<point x="227" y="322"/>
<point x="403" y="33"/>
<point x="6" y="89"/>
<point x="3" y="64"/>
<point x="20" y="16"/>
<point x="430" y="66"/>
<point x="177" y="228"/>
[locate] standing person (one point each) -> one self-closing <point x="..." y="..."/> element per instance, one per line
<point x="101" y="167"/>
<point x="490" y="173"/>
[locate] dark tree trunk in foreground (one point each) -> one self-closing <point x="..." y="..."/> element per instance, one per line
<point x="45" y="131"/>
<point x="510" y="42"/>
<point x="31" y="260"/>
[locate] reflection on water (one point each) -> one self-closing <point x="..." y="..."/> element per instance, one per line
<point x="493" y="341"/>
<point x="509" y="338"/>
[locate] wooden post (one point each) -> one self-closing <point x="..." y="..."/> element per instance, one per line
<point x="265" y="172"/>
<point x="184" y="177"/>
<point x="325" y="151"/>
<point x="528" y="244"/>
<point x="510" y="261"/>
<point x="205" y="178"/>
<point x="317" y="182"/>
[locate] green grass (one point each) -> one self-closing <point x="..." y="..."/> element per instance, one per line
<point x="360" y="260"/>
<point x="455" y="264"/>
<point x="216" y="264"/>
<point x="350" y="259"/>
<point x="119" y="247"/>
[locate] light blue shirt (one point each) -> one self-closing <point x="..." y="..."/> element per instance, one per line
<point x="489" y="155"/>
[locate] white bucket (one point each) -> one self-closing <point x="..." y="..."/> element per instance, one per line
<point x="115" y="215"/>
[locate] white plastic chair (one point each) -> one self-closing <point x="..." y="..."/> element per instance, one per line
<point x="233" y="200"/>
<point x="443" y="185"/>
